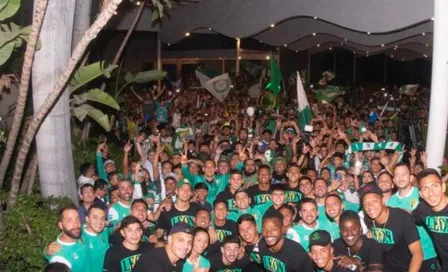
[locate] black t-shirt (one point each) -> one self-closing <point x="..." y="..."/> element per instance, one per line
<point x="121" y="259"/>
<point x="369" y="253"/>
<point x="437" y="225"/>
<point x="278" y="178"/>
<point x="216" y="264"/>
<point x="227" y="196"/>
<point x="157" y="260"/>
<point x="258" y="197"/>
<point x="169" y="218"/>
<point x="291" y="258"/>
<point x="395" y="236"/>
<point x="293" y="194"/>
<point x="229" y="228"/>
<point x="116" y="237"/>
<point x="253" y="253"/>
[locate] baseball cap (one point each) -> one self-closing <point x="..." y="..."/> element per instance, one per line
<point x="370" y="188"/>
<point x="181" y="227"/>
<point x="241" y="190"/>
<point x="108" y="162"/>
<point x="182" y="182"/>
<point x="290" y="130"/>
<point x="319" y="238"/>
<point x="279" y="159"/>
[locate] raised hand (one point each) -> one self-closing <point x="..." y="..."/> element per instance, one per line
<point x="127" y="147"/>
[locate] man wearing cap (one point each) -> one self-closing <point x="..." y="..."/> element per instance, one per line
<point x="394" y="229"/>
<point x="182" y="210"/>
<point x="322" y="253"/>
<point x="170" y="257"/>
<point x="242" y="202"/>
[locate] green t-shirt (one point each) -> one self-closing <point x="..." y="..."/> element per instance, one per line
<point x="235" y="214"/>
<point x="117" y="212"/>
<point x="409" y="203"/>
<point x="97" y="245"/>
<point x="189" y="267"/>
<point x="74" y="255"/>
<point x="305" y="232"/>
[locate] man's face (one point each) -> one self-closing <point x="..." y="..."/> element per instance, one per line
<point x="114" y="180"/>
<point x="180" y="244"/>
<point x="175" y="159"/>
<point x="402" y="177"/>
<point x="272" y="231"/>
<point x="320" y="188"/>
<point x="308" y="213"/>
<point x="71" y="224"/>
<point x="366" y="177"/>
<point x="375" y="165"/>
<point x="279" y="167"/>
<point x="110" y="167"/>
<point x="236" y="180"/>
<point x="170" y="185"/>
<point x="221" y="211"/>
<point x="340" y="148"/>
<point x="278" y="197"/>
<point x="311" y="174"/>
<point x="90" y="172"/>
<point x="323" y="152"/>
<point x="249" y="167"/>
<point x="264" y="176"/>
<point x="209" y="169"/>
<point x="184" y="192"/>
<point x="350" y="232"/>
<point x="305" y="187"/>
<point x="96" y="220"/>
<point x="223" y="168"/>
<point x="132" y="234"/>
<point x="385" y="183"/>
<point x="242" y="200"/>
<point x="101" y="193"/>
<point x="114" y="196"/>
<point x="293" y="174"/>
<point x="337" y="161"/>
<point x="321" y="255"/>
<point x="151" y="156"/>
<point x="248" y="232"/>
<point x="201" y="194"/>
<point x="139" y="210"/>
<point x="333" y="207"/>
<point x="432" y="190"/>
<point x="266" y="137"/>
<point x="166" y="169"/>
<point x="243" y="134"/>
<point x="125" y="191"/>
<point x="87" y="195"/>
<point x="202" y="219"/>
<point x="288" y="217"/>
<point x="230" y="252"/>
<point x="372" y="205"/>
<point x="193" y="168"/>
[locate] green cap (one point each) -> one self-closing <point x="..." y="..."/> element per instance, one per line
<point x="181" y="183"/>
<point x="279" y="159"/>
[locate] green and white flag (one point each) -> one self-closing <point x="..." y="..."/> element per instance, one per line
<point x="304" y="110"/>
<point x="329" y="93"/>
<point x="358" y="147"/>
<point x="408" y="89"/>
<point x="218" y="86"/>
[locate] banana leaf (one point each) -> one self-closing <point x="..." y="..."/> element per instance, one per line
<point x="102" y="97"/>
<point x="86" y="110"/>
<point x="90" y="72"/>
<point x="8" y="10"/>
<point x="146" y="76"/>
<point x="6" y="51"/>
<point x="80" y="99"/>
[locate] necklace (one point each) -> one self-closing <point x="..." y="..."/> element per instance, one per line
<point x="387" y="218"/>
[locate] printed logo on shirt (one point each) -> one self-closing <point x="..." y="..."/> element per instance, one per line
<point x="414" y="203"/>
<point x="127" y="264"/>
<point x="255" y="257"/>
<point x="273" y="264"/>
<point x="230" y="270"/>
<point x="383" y="236"/>
<point x="221" y="234"/>
<point x="293" y="196"/>
<point x="231" y="204"/>
<point x="260" y="199"/>
<point x="438" y="224"/>
<point x="182" y="218"/>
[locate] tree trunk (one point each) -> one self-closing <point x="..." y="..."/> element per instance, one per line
<point x="102" y="19"/>
<point x="38" y="16"/>
<point x="83" y="9"/>
<point x="30" y="174"/>
<point x="53" y="140"/>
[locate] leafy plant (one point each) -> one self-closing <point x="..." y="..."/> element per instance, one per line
<point x="29" y="226"/>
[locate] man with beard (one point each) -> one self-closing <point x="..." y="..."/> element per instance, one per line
<point x="73" y="251"/>
<point x="120" y="209"/>
<point x="355" y="248"/>
<point x="124" y="256"/>
<point x="262" y="192"/>
<point x="250" y="173"/>
<point x="433" y="211"/>
<point x="322" y="253"/>
<point x="227" y="259"/>
<point x="247" y="229"/>
<point x="320" y="194"/>
<point x="407" y="198"/>
<point x="281" y="254"/>
<point x="386" y="184"/>
<point x="333" y="209"/>
<point x="170" y="257"/>
<point x="228" y="195"/>
<point x="394" y="229"/>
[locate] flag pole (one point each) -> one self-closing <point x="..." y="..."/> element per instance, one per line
<point x="238" y="56"/>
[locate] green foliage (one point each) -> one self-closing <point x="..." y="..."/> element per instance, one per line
<point x="29" y="226"/>
<point x="90" y="72"/>
<point x="86" y="110"/>
<point x="8" y="8"/>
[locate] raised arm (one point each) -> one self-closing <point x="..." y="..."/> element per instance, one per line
<point x="125" y="163"/>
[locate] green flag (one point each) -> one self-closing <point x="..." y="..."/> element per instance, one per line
<point x="252" y="68"/>
<point x="219" y="86"/>
<point x="408" y="89"/>
<point x="304" y="111"/>
<point x="276" y="77"/>
<point x="329" y="93"/>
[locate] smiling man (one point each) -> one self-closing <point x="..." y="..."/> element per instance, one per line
<point x="281" y="254"/>
<point x="168" y="258"/>
<point x="227" y="258"/>
<point x="433" y="211"/>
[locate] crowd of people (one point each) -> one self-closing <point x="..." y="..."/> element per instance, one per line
<point x="205" y="186"/>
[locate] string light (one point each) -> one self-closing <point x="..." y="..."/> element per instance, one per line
<point x="267" y="57"/>
<point x="318" y="45"/>
<point x="368" y="33"/>
<point x="315" y="18"/>
<point x="272" y="25"/>
<point x="187" y="34"/>
<point x="382" y="45"/>
<point x="314" y="34"/>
